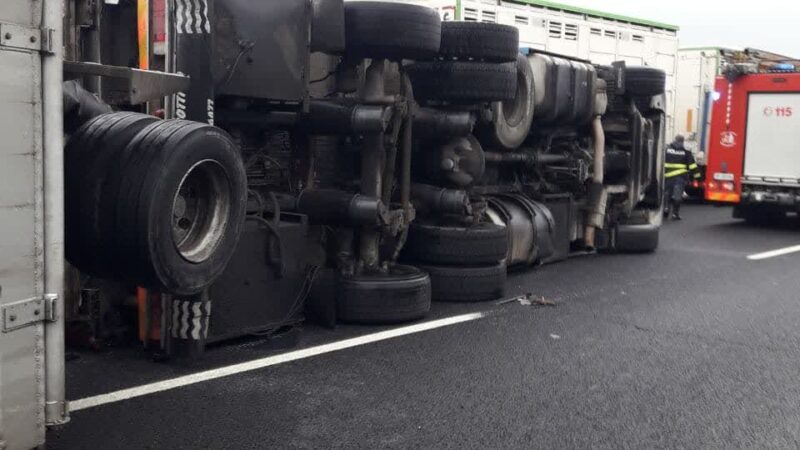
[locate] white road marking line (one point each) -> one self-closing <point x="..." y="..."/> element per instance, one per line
<point x="213" y="374"/>
<point x="774" y="253"/>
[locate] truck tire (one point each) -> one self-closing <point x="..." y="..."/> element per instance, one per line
<point x="464" y="82"/>
<point x="482" y="244"/>
<point x="181" y="205"/>
<point x="75" y="162"/>
<point x="640" y="234"/>
<point x="89" y="158"/>
<point x="402" y="295"/>
<point x="645" y="81"/>
<point x="490" y="42"/>
<point x="512" y="120"/>
<point x="391" y="30"/>
<point x="467" y="284"/>
<point x="125" y="203"/>
<point x="637" y="238"/>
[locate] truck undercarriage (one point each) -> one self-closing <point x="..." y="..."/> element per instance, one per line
<point x="393" y="157"/>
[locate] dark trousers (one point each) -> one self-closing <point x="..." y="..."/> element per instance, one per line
<point x="673" y="192"/>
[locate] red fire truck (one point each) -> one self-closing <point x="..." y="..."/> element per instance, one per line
<point x="754" y="151"/>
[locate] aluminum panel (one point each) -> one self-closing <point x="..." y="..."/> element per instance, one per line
<point x="16" y="85"/>
<point x="21" y="12"/>
<point x="19" y="263"/>
<point x="22" y="395"/>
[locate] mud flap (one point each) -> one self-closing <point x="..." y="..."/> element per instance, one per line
<point x="193" y="57"/>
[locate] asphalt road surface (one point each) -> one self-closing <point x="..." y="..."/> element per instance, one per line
<point x="695" y="346"/>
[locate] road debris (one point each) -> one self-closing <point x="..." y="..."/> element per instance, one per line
<point x="528" y="300"/>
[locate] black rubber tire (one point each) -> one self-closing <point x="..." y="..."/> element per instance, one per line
<point x="402" y="295"/>
<point x="161" y="157"/>
<point x="512" y="120"/>
<point x="645" y="81"/>
<point x="89" y="161"/>
<point x="467" y="284"/>
<point x="80" y="106"/>
<point x="463" y="82"/>
<point x="391" y="30"/>
<point x="128" y="187"/>
<point x="640" y="233"/>
<point x="490" y="42"/>
<point x="75" y="163"/>
<point x="482" y="244"/>
<point x="645" y="241"/>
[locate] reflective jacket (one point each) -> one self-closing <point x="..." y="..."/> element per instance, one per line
<point x="680" y="162"/>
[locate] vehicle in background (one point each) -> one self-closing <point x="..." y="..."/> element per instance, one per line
<point x="695" y="96"/>
<point x="753" y="159"/>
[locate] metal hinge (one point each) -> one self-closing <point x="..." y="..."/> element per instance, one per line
<point x="28" y="312"/>
<point x="19" y="37"/>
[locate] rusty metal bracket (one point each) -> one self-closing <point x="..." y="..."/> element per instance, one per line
<point x="28" y="312"/>
<point x="130" y="86"/>
<point x="18" y="37"/>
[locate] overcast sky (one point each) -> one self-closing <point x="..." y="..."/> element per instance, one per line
<point x="770" y="25"/>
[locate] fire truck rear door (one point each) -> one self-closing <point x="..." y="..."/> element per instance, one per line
<point x="772" y="146"/>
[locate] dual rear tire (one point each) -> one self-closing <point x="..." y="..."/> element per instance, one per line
<point x="465" y="264"/>
<point x="476" y="63"/>
<point x="391" y="30"/>
<point x="403" y="294"/>
<point x="156" y="203"/>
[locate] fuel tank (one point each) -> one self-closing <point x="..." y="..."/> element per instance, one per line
<point x="564" y="90"/>
<point x="530" y="224"/>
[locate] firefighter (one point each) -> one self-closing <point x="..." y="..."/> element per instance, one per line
<point x="679" y="167"/>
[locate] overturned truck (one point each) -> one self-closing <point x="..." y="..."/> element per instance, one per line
<point x="264" y="164"/>
<point x="349" y="160"/>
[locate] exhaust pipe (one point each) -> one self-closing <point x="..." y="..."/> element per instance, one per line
<point x="598" y="196"/>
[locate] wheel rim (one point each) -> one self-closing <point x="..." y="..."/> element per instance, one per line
<point x="200" y="211"/>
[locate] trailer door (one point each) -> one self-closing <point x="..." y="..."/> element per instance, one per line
<point x="772" y="148"/>
<point x="23" y="307"/>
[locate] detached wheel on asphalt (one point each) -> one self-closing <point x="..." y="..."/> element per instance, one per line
<point x="90" y="157"/>
<point x="402" y="295"/>
<point x="640" y="234"/>
<point x="467" y="284"/>
<point x="463" y="82"/>
<point x="479" y="41"/>
<point x="391" y="30"/>
<point x="645" y="81"/>
<point x="181" y="205"/>
<point x="512" y="119"/>
<point x="481" y="244"/>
